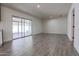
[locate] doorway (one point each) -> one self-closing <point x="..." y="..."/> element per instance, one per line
<point x="21" y="27"/>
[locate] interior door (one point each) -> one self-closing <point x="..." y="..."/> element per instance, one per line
<point x="76" y="32"/>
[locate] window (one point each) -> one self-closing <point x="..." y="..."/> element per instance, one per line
<point x="21" y="27"/>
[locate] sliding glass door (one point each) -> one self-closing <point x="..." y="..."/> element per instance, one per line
<point x="21" y="27"/>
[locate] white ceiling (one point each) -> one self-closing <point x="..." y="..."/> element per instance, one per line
<point x="45" y="11"/>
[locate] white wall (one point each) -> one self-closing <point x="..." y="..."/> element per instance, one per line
<point x="6" y="24"/>
<point x="57" y="26"/>
<point x="70" y="23"/>
<point x="76" y="39"/>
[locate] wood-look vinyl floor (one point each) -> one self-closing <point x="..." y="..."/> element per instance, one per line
<point x="40" y="45"/>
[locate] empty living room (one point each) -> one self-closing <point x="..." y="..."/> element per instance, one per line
<point x="39" y="29"/>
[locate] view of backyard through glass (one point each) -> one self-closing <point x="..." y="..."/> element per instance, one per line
<point x="21" y="27"/>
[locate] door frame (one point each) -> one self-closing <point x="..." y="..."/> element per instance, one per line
<point x="73" y="25"/>
<point x="21" y="28"/>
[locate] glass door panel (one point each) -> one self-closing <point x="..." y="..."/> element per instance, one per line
<point x="30" y="29"/>
<point x="20" y="30"/>
<point x="23" y="28"/>
<point x="27" y="27"/>
<point x="15" y="30"/>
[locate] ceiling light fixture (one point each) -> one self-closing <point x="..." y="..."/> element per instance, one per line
<point x="38" y="6"/>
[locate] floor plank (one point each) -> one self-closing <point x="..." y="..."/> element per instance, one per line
<point x="39" y="45"/>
